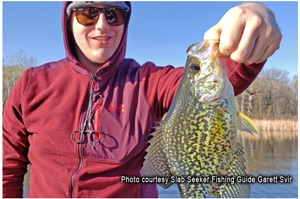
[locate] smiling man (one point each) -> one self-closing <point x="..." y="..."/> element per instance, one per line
<point x="84" y="121"/>
<point x="96" y="39"/>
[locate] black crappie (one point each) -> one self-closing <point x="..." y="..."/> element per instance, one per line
<point x="197" y="137"/>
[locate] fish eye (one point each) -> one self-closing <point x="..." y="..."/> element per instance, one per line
<point x="194" y="68"/>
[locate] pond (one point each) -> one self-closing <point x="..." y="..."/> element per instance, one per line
<point x="270" y="154"/>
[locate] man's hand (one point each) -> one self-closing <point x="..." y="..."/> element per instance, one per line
<point x="248" y="33"/>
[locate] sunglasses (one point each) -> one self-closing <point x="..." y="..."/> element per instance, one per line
<point x="89" y="16"/>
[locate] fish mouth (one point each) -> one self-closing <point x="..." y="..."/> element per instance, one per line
<point x="205" y="45"/>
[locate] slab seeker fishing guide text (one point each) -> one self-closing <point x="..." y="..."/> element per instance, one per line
<point x="211" y="179"/>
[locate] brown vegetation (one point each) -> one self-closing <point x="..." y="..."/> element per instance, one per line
<point x="278" y="129"/>
<point x="276" y="125"/>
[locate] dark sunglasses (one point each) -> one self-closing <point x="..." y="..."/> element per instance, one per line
<point x="89" y="16"/>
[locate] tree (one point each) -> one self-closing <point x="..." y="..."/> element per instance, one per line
<point x="294" y="98"/>
<point x="271" y="96"/>
<point x="13" y="67"/>
<point x="257" y="88"/>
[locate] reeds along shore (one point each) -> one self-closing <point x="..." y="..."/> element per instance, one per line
<point x="286" y="129"/>
<point x="276" y="125"/>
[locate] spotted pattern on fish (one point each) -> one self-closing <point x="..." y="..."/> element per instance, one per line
<point x="200" y="143"/>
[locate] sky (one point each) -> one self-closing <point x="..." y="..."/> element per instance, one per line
<point x="159" y="32"/>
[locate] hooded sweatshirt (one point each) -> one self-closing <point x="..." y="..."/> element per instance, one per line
<point x="49" y="102"/>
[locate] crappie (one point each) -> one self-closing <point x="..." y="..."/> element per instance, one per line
<point x="197" y="137"/>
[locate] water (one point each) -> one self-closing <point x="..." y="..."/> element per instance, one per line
<point x="270" y="154"/>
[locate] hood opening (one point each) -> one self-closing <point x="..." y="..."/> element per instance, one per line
<point x="112" y="64"/>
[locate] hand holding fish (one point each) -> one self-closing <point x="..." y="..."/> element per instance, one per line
<point x="248" y="33"/>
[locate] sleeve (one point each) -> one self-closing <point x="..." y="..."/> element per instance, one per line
<point x="15" y="140"/>
<point x="241" y="75"/>
<point x="160" y="83"/>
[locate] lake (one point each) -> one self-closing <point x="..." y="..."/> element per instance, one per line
<point x="269" y="155"/>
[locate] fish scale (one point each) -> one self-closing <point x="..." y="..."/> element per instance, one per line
<point x="184" y="164"/>
<point x="197" y="137"/>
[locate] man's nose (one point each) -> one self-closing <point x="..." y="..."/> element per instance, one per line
<point x="102" y="23"/>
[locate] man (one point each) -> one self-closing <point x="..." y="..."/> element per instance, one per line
<point x="84" y="121"/>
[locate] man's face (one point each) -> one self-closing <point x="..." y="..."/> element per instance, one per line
<point x="96" y="43"/>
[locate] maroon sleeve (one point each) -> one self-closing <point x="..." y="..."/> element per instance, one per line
<point x="15" y="141"/>
<point x="160" y="83"/>
<point x="241" y="75"/>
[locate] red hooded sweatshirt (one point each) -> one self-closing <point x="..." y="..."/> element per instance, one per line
<point x="49" y="102"/>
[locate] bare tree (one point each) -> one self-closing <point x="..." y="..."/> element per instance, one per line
<point x="271" y="96"/>
<point x="20" y="59"/>
<point x="13" y="67"/>
<point x="258" y="87"/>
<point x="294" y="98"/>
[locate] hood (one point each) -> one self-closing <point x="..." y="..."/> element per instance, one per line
<point x="110" y="66"/>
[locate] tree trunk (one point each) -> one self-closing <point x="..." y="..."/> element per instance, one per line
<point x="242" y="103"/>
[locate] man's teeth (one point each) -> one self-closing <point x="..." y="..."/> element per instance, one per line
<point x="101" y="38"/>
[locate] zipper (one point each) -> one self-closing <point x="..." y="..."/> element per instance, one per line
<point x="80" y="148"/>
<point x="75" y="173"/>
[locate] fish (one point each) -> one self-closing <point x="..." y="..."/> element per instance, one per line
<point x="196" y="138"/>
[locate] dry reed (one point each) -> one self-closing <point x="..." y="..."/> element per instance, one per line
<point x="269" y="135"/>
<point x="279" y="129"/>
<point x="276" y="125"/>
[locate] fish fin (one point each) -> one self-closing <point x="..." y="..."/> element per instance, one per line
<point x="163" y="118"/>
<point x="154" y="164"/>
<point x="237" y="168"/>
<point x="245" y="123"/>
